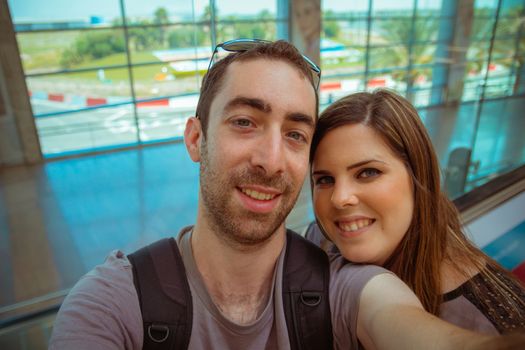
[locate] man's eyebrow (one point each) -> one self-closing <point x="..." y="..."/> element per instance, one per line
<point x="351" y="166"/>
<point x="301" y="118"/>
<point x="256" y="103"/>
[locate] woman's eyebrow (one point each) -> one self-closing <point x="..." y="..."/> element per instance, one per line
<point x="351" y="166"/>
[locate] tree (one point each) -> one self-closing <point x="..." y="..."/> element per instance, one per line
<point x="410" y="40"/>
<point x="161" y="18"/>
<point x="331" y="28"/>
<point x="93" y="45"/>
<point x="186" y="37"/>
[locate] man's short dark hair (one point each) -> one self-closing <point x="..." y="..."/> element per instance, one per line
<point x="278" y="50"/>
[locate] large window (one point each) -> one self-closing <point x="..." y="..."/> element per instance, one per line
<point x="411" y="46"/>
<point x="113" y="73"/>
<point x="434" y="52"/>
<point x="496" y="52"/>
<point x="370" y="44"/>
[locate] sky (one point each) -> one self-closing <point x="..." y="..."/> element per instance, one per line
<point x="67" y="10"/>
<point x="57" y="10"/>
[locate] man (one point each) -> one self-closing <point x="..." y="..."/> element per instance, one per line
<point x="255" y="120"/>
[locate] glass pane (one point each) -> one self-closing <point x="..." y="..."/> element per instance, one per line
<point x="484" y="17"/>
<point x="422" y="96"/>
<point x="43" y="51"/>
<point x="499" y="144"/>
<point x="72" y="91"/>
<point x="388" y="57"/>
<point x="87" y="130"/>
<point x="429" y="6"/>
<point x="396" y="30"/>
<point x="423" y="54"/>
<point x="52" y="51"/>
<point x="499" y="81"/>
<point x="426" y="29"/>
<point x="182" y="43"/>
<point x="504" y="50"/>
<point x="242" y="10"/>
<point x="511" y="8"/>
<point x="258" y="30"/>
<point x="473" y="87"/>
<point x="334" y="88"/>
<point x="478" y="53"/>
<point x="394" y="79"/>
<point x="346" y="8"/>
<point x="163" y="11"/>
<point x="348" y="32"/>
<point x="166" y="118"/>
<point x="488" y="5"/>
<point x="386" y="8"/>
<point x="339" y="59"/>
<point x="160" y="80"/>
<point x="61" y="14"/>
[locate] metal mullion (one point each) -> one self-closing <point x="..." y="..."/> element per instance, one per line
<point x="514" y="69"/>
<point x="73" y="71"/>
<point x="73" y="29"/>
<point x="367" y="49"/>
<point x="479" y="103"/>
<point x="130" y="70"/>
<point x="410" y="51"/>
<point x="213" y="25"/>
<point x="95" y="68"/>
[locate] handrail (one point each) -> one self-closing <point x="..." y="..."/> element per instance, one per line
<point x="483" y="198"/>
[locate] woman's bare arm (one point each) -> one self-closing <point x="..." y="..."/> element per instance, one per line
<point x="391" y="317"/>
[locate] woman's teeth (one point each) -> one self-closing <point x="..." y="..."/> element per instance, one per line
<point x="355" y="225"/>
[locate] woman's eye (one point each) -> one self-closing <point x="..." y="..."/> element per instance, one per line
<point x="368" y="173"/>
<point x="324" y="180"/>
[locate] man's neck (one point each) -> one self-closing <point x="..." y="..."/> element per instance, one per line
<point x="238" y="280"/>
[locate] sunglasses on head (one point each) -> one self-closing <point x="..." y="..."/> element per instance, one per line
<point x="241" y="45"/>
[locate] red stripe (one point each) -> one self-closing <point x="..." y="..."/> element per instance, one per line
<point x="163" y="102"/>
<point x="335" y="85"/>
<point x="55" y="97"/>
<point x="91" y="101"/>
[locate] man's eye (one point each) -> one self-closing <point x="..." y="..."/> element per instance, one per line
<point x="368" y="173"/>
<point x="297" y="136"/>
<point x="324" y="180"/>
<point x="244" y="123"/>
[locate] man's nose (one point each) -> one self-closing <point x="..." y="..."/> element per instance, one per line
<point x="269" y="154"/>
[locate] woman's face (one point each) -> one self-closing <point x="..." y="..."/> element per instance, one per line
<point x="363" y="194"/>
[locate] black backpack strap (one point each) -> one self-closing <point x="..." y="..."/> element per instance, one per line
<point x="164" y="295"/>
<point x="306" y="280"/>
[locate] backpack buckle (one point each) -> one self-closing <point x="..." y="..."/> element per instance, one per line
<point x="162" y="333"/>
<point x="311" y="298"/>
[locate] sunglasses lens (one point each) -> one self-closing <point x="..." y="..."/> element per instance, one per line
<point x="242" y="44"/>
<point x="246" y="44"/>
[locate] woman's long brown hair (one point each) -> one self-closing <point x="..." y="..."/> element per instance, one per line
<point x="435" y="234"/>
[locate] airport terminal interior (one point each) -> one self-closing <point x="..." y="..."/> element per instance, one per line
<point x="94" y="97"/>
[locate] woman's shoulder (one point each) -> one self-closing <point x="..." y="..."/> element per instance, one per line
<point x="490" y="297"/>
<point x="345" y="273"/>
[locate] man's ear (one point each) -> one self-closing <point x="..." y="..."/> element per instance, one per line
<point x="192" y="138"/>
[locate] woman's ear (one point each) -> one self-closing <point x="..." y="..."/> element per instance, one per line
<point x="192" y="138"/>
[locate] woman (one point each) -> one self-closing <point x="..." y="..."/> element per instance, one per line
<point x="377" y="197"/>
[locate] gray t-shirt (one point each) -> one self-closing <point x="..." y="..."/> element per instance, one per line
<point x="102" y="310"/>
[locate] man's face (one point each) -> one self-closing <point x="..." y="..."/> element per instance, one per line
<point x="255" y="156"/>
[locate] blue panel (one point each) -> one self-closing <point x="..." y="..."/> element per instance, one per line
<point x="509" y="249"/>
